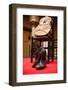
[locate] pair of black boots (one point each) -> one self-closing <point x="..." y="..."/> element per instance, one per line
<point x="40" y="59"/>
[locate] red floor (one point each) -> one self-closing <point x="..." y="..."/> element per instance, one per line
<point x="50" y="68"/>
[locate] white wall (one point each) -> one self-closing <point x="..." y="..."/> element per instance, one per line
<point x="4" y="44"/>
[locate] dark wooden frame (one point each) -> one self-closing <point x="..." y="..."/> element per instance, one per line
<point x="13" y="39"/>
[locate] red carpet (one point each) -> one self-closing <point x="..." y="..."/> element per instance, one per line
<point x="50" y="68"/>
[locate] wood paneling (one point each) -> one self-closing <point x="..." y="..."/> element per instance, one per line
<point x="26" y="43"/>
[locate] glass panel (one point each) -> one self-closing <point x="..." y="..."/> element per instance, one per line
<point x="55" y="43"/>
<point x="44" y="44"/>
<point x="55" y="53"/>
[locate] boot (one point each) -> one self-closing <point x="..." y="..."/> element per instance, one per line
<point x="37" y="60"/>
<point x="34" y="65"/>
<point x="40" y="65"/>
<point x="42" y="61"/>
